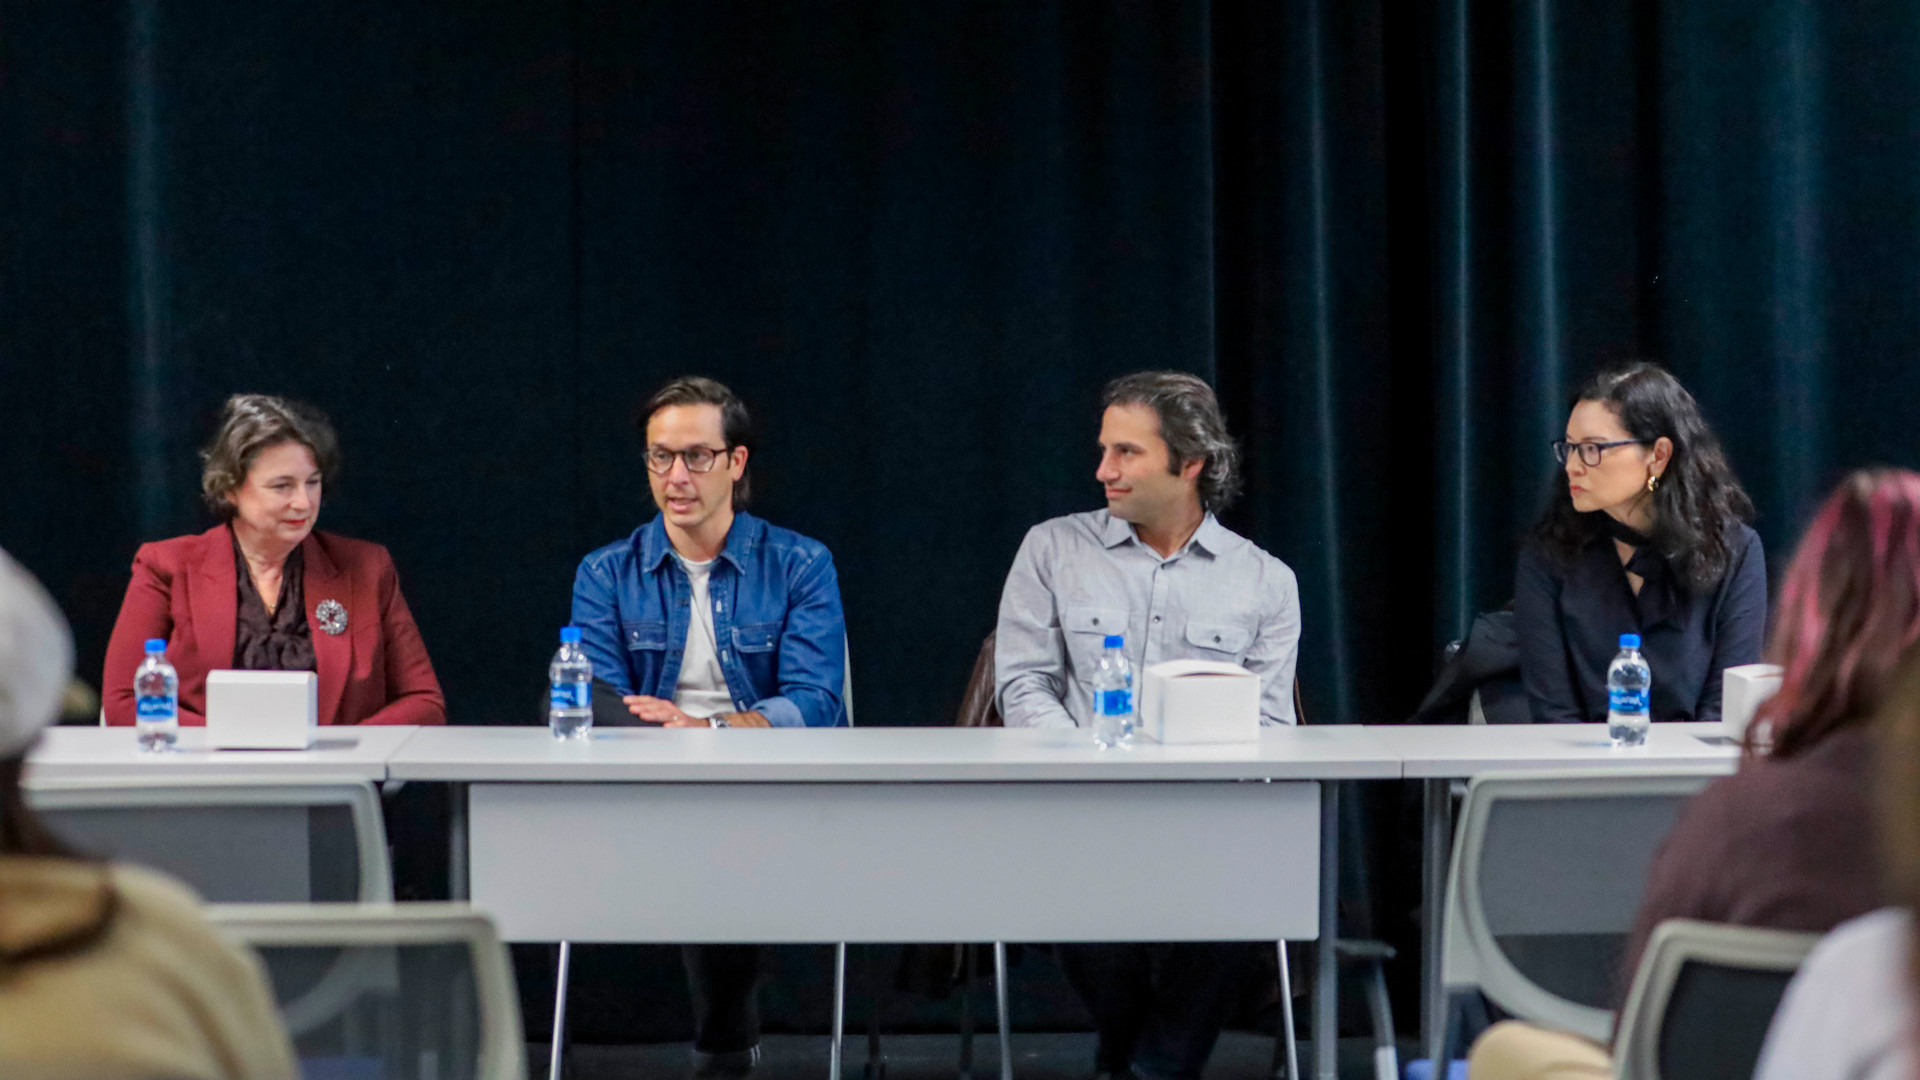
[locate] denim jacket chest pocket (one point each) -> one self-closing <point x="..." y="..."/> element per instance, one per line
<point x="1217" y="640"/>
<point x="757" y="645"/>
<point x="1086" y="627"/>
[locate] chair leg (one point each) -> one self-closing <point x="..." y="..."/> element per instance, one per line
<point x="1287" y="1044"/>
<point x="1386" y="1055"/>
<point x="559" y="1010"/>
<point x="1438" y="1046"/>
<point x="839" y="1008"/>
<point x="1000" y="1004"/>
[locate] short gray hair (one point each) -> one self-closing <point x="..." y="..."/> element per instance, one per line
<point x="251" y="423"/>
<point x="1191" y="424"/>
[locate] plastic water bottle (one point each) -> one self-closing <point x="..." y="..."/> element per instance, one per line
<point x="570" y="695"/>
<point x="1113" y="695"/>
<point x="156" y="699"/>
<point x="1629" y="693"/>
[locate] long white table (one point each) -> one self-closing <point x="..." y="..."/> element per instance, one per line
<point x="911" y="834"/>
<point x="110" y="753"/>
<point x="1440" y="754"/>
<point x="902" y="835"/>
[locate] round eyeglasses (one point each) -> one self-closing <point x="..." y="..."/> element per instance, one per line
<point x="699" y="459"/>
<point x="1589" y="451"/>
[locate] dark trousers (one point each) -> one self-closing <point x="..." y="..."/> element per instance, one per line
<point x="726" y="1012"/>
<point x="1158" y="1008"/>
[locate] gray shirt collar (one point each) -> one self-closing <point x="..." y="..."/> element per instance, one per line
<point x="1211" y="537"/>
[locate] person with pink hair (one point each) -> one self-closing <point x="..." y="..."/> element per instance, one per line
<point x="1787" y="842"/>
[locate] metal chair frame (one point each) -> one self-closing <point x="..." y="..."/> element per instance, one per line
<point x="1673" y="945"/>
<point x="502" y="1045"/>
<point x="1470" y="957"/>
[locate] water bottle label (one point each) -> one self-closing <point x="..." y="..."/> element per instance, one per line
<point x="570" y="696"/>
<point x="152" y="708"/>
<point x="1113" y="702"/>
<point x="1627" y="701"/>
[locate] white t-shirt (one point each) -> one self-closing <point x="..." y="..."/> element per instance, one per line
<point x="701" y="691"/>
<point x="1849" y="1012"/>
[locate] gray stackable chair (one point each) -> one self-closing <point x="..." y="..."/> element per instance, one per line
<point x="439" y="1002"/>
<point x="1547" y="877"/>
<point x="232" y="841"/>
<point x="243" y="842"/>
<point x="1703" y="999"/>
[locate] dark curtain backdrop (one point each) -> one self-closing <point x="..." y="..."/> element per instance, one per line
<point x="917" y="238"/>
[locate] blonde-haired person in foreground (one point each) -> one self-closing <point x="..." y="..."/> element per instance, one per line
<point x="106" y="971"/>
<point x="1787" y="842"/>
<point x="1850" y="1013"/>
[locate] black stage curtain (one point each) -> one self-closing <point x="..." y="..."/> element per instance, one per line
<point x="917" y="238"/>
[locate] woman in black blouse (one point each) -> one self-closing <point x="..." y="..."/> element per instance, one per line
<point x="1647" y="535"/>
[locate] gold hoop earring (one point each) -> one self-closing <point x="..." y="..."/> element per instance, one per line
<point x="1653" y="482"/>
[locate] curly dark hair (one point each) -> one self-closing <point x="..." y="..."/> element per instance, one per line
<point x="1699" y="503"/>
<point x="1192" y="425"/>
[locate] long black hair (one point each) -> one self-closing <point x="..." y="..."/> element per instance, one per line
<point x="1698" y="504"/>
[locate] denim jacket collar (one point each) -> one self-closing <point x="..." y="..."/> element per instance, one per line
<point x="742" y="539"/>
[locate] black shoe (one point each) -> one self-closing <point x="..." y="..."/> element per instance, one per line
<point x="731" y="1065"/>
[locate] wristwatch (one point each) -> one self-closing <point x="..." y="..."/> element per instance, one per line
<point x="718" y="720"/>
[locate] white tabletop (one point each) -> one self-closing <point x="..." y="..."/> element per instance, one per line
<point x="358" y="753"/>
<point x="1463" y="750"/>
<point x="896" y="754"/>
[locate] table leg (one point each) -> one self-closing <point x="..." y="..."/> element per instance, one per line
<point x="459" y="887"/>
<point x="1436" y="824"/>
<point x="562" y="971"/>
<point x="1326" y="979"/>
<point x="1000" y="1006"/>
<point x="839" y="1009"/>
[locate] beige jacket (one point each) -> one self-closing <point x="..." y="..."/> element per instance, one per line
<point x="160" y="994"/>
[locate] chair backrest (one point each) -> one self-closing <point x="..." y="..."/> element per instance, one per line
<point x="432" y="995"/>
<point x="846" y="681"/>
<point x="1703" y="999"/>
<point x="232" y="842"/>
<point x="1547" y="876"/>
<point x="977" y="706"/>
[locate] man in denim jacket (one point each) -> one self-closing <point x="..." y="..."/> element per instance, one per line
<point x="709" y="617"/>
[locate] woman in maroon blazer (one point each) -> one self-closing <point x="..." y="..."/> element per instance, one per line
<point x="265" y="592"/>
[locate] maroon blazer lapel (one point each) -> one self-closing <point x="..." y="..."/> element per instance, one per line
<point x="214" y="600"/>
<point x="332" y="652"/>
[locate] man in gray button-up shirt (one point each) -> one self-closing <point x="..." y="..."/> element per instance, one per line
<point x="1157" y="567"/>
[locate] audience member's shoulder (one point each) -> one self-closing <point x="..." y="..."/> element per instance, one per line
<point x="1828" y="780"/>
<point x="164" y="914"/>
<point x="1849" y="1009"/>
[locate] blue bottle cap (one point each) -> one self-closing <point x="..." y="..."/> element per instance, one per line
<point x="156" y="644"/>
<point x="569" y="634"/>
<point x="1629" y="641"/>
<point x="1115" y="641"/>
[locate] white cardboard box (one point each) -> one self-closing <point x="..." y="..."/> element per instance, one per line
<point x="262" y="710"/>
<point x="1742" y="690"/>
<point x="1200" y="701"/>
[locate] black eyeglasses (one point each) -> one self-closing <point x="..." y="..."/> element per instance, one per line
<point x="1589" y="451"/>
<point x="699" y="459"/>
